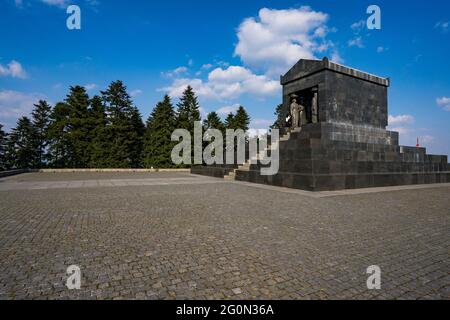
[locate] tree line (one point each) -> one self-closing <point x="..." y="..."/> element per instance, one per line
<point x="105" y="131"/>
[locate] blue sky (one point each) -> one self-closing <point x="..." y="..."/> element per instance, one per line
<point x="232" y="52"/>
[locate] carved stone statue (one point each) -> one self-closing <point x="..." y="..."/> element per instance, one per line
<point x="314" y="109"/>
<point x="297" y="113"/>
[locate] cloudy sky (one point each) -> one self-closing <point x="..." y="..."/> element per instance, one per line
<point x="232" y="52"/>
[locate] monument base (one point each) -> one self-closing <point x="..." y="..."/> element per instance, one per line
<point x="333" y="156"/>
<point x="331" y="182"/>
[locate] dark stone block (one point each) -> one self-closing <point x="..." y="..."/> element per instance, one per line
<point x="349" y="147"/>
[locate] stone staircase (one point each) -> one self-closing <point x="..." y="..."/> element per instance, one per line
<point x="246" y="166"/>
<point x="331" y="156"/>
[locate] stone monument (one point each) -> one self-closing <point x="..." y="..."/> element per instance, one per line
<point x="343" y="142"/>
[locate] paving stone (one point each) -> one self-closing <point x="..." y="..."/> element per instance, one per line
<point x="218" y="240"/>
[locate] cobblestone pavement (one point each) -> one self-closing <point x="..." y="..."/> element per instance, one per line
<point x="177" y="236"/>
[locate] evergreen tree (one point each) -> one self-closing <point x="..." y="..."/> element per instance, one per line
<point x="22" y="147"/>
<point x="101" y="149"/>
<point x="119" y="144"/>
<point x="160" y="126"/>
<point x="137" y="149"/>
<point x="241" y="119"/>
<point x="213" y="121"/>
<point x="97" y="113"/>
<point x="230" y="121"/>
<point x="3" y="142"/>
<point x="281" y="112"/>
<point x="41" y="121"/>
<point x="96" y="123"/>
<point x="77" y="102"/>
<point x="59" y="143"/>
<point x="188" y="110"/>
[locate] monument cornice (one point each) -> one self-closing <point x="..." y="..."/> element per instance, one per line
<point x="325" y="64"/>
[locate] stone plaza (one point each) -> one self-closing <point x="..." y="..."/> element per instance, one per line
<point x="182" y="236"/>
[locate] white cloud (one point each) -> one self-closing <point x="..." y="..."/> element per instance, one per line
<point x="356" y="42"/>
<point x="236" y="80"/>
<point x="179" y="85"/>
<point x="207" y="66"/>
<point x="336" y="57"/>
<point x="381" y="49"/>
<point x="227" y="83"/>
<point x="275" y="40"/>
<point x="403" y="131"/>
<point x="203" y="112"/>
<point x="228" y="109"/>
<point x="90" y="86"/>
<point x="257" y="132"/>
<point x="409" y="136"/>
<point x="63" y="4"/>
<point x="426" y="139"/>
<point x="135" y="93"/>
<point x="400" y="120"/>
<point x="13" y="69"/>
<point x="14" y="104"/>
<point x="444" y="103"/>
<point x="175" y="72"/>
<point x="359" y="30"/>
<point x="403" y="124"/>
<point x="442" y="25"/>
<point x="358" y="26"/>
<point x="57" y="3"/>
<point x="261" y="123"/>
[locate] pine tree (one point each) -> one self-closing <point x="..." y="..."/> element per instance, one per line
<point x="230" y="121"/>
<point x="77" y="102"/>
<point x="160" y="126"/>
<point x="59" y="144"/>
<point x="41" y="121"/>
<point x="120" y="142"/>
<point x="97" y="113"/>
<point x="213" y="121"/>
<point x="188" y="110"/>
<point x="96" y="124"/>
<point x="3" y="142"/>
<point x="241" y="119"/>
<point x="22" y="145"/>
<point x="137" y="149"/>
<point x="281" y="112"/>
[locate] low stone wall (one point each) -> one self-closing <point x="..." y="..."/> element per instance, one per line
<point x="112" y="170"/>
<point x="9" y="173"/>
<point x="212" y="171"/>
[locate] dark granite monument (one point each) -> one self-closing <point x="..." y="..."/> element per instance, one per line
<point x="342" y="141"/>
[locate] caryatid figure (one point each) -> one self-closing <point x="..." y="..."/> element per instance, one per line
<point x="314" y="111"/>
<point x="295" y="112"/>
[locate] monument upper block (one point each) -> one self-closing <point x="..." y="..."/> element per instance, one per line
<point x="305" y="68"/>
<point x="344" y="95"/>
